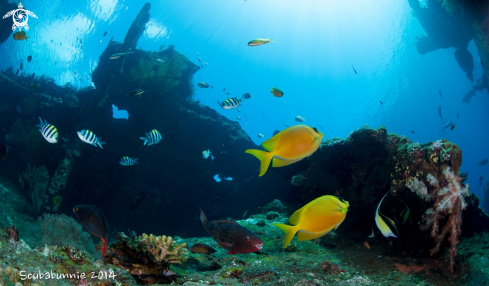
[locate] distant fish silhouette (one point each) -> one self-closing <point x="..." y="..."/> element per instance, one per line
<point x="135" y="203"/>
<point x="480" y="181"/>
<point x="458" y="114"/>
<point x="105" y="34"/>
<point x="453" y="127"/>
<point x="439" y="112"/>
<point x="285" y="124"/>
<point x="321" y="126"/>
<point x="276" y="132"/>
<point x="4" y="150"/>
<point x="439" y="91"/>
<point x="381" y="102"/>
<point x="413" y="131"/>
<point x="354" y="69"/>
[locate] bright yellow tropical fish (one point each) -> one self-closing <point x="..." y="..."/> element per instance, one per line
<point x="315" y="219"/>
<point x="288" y="146"/>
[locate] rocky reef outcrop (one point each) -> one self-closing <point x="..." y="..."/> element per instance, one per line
<point x="426" y="177"/>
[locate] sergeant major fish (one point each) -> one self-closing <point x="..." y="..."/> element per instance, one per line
<point x="206" y="154"/>
<point x="128" y="161"/>
<point x="300" y="119"/>
<point x="89" y="137"/>
<point x="152" y="137"/>
<point x="204" y="85"/>
<point x="232" y="102"/>
<point x="48" y="131"/>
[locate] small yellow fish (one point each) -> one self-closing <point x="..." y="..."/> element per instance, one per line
<point x="19" y="36"/>
<point x="277" y="92"/>
<point x="259" y="42"/>
<point x="315" y="219"/>
<point x="287" y="147"/>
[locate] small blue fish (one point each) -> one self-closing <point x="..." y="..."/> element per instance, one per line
<point x="206" y="154"/>
<point x="128" y="161"/>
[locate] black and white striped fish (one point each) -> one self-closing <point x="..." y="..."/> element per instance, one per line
<point x="89" y="137"/>
<point x="152" y="137"/>
<point x="48" y="131"/>
<point x="128" y="161"/>
<point x="231" y="103"/>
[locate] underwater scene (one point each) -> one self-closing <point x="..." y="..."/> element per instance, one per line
<point x="244" y="142"/>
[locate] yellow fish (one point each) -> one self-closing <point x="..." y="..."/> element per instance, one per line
<point x="288" y="146"/>
<point x="19" y="36"/>
<point x="315" y="219"/>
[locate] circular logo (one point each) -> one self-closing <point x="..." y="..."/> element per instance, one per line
<point x="20" y="18"/>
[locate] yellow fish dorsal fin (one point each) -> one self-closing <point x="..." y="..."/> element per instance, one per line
<point x="269" y="145"/>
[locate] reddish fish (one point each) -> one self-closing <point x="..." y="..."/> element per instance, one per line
<point x="94" y="222"/>
<point x="231" y="236"/>
<point x="202" y="248"/>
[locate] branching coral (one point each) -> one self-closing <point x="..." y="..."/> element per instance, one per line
<point x="449" y="201"/>
<point x="38" y="179"/>
<point x="164" y="248"/>
<point x="147" y="258"/>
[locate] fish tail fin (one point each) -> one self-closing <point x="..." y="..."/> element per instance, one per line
<point x="218" y="102"/>
<point x="289" y="231"/>
<point x="105" y="241"/>
<point x="99" y="143"/>
<point x="135" y="160"/>
<point x="41" y="124"/>
<point x="203" y="218"/>
<point x="264" y="157"/>
<point x="146" y="140"/>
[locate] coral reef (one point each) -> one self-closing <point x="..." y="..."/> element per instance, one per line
<point x="47" y="265"/>
<point x="37" y="179"/>
<point x="146" y="258"/>
<point x="449" y="202"/>
<point x="370" y="162"/>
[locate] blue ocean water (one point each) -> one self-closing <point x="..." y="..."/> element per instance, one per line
<point x="317" y="42"/>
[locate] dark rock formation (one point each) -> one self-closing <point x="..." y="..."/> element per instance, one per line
<point x="6" y="26"/>
<point x="454" y="23"/>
